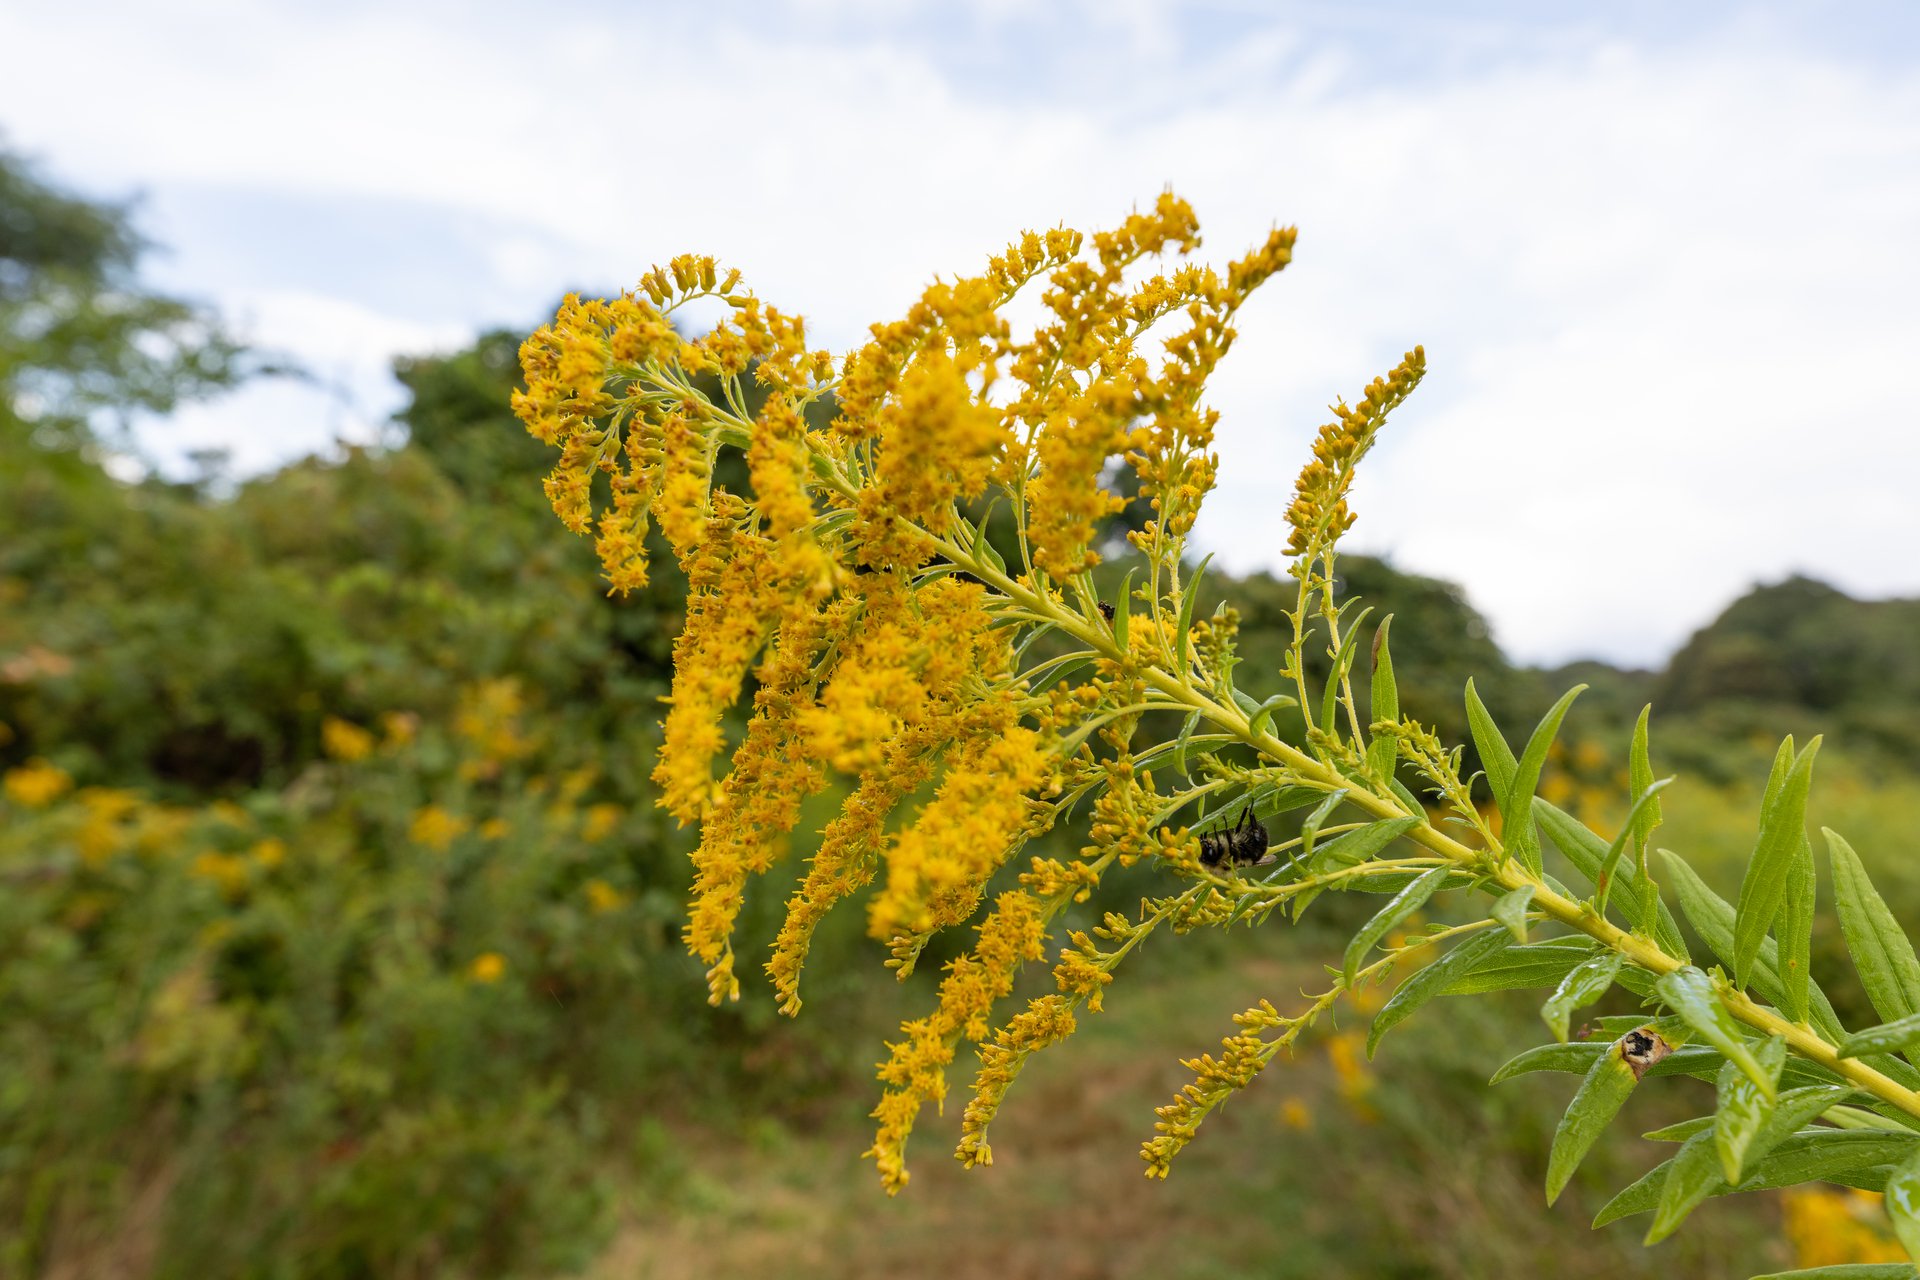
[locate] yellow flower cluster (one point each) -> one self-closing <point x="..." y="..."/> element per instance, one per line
<point x="1014" y="934"/>
<point x="1319" y="514"/>
<point x="871" y="613"/>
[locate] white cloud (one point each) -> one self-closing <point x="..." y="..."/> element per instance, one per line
<point x="1666" y="285"/>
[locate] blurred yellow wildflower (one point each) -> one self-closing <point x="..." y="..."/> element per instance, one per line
<point x="1830" y="1227"/>
<point x="600" y="822"/>
<point x="36" y="784"/>
<point x="487" y="967"/>
<point x="227" y="871"/>
<point x="436" y="828"/>
<point x="344" y="740"/>
<point x="603" y="897"/>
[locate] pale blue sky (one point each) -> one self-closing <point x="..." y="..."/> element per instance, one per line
<point x="1663" y="257"/>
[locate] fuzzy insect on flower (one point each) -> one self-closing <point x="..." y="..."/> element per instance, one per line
<point x="903" y="574"/>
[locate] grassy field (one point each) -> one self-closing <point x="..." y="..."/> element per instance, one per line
<point x="1325" y="1168"/>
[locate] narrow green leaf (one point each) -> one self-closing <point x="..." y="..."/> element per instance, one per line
<point x="1310" y="827"/>
<point x="1539" y="964"/>
<point x="1601" y="1094"/>
<point x="1190" y="594"/>
<point x="1783" y="759"/>
<point x="1903" y="1203"/>
<point x="1744" y="1110"/>
<point x="1342" y="665"/>
<point x="1782" y="827"/>
<point x="1263" y="718"/>
<point x="1511" y="910"/>
<point x="1062" y="669"/>
<point x="1187" y="727"/>
<point x="1577" y="1057"/>
<point x="1587" y="851"/>
<point x="1517" y="830"/>
<point x="1640" y="777"/>
<point x="1382" y="752"/>
<point x="1712" y="918"/>
<point x="1882" y="953"/>
<point x="1350" y="848"/>
<point x="1690" y="993"/>
<point x="1827" y="1155"/>
<point x="1402" y="905"/>
<point x="1794" y="929"/>
<point x="1433" y="980"/>
<point x="1123" y="612"/>
<point x="1682" y="1131"/>
<point x="1897" y="1036"/>
<point x="1496" y="757"/>
<point x="1405" y="796"/>
<point x="1587" y="982"/>
<point x="1603" y="883"/>
<point x="1693" y="1174"/>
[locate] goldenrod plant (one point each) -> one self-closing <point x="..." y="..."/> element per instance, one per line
<point x="906" y="581"/>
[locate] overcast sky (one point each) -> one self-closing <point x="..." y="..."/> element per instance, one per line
<point x="1665" y="260"/>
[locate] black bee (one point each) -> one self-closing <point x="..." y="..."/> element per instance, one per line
<point x="1242" y="845"/>
<point x="1106" y="611"/>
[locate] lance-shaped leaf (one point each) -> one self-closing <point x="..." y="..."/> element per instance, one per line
<point x="1587" y="982"/>
<point x="1187" y="727"/>
<point x="1882" y="953"/>
<point x="1690" y="993"/>
<point x="1794" y="929"/>
<point x="1712" y="918"/>
<point x="1342" y="666"/>
<point x="1496" y="757"/>
<point x="1903" y="1203"/>
<point x="1402" y="905"/>
<point x="1191" y="594"/>
<point x="1680" y="1132"/>
<point x="1640" y="778"/>
<point x="1511" y="910"/>
<point x="1693" y="1174"/>
<point x="1384" y="749"/>
<point x="1351" y="848"/>
<point x="1897" y="1036"/>
<point x="1517" y="830"/>
<point x="1744" y="1110"/>
<point x="1587" y="851"/>
<point x="1433" y="980"/>
<point x="1603" y="882"/>
<point x="1794" y="1155"/>
<point x="1538" y="964"/>
<point x="1783" y="826"/>
<point x="1602" y="1092"/>
<point x="1262" y="718"/>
